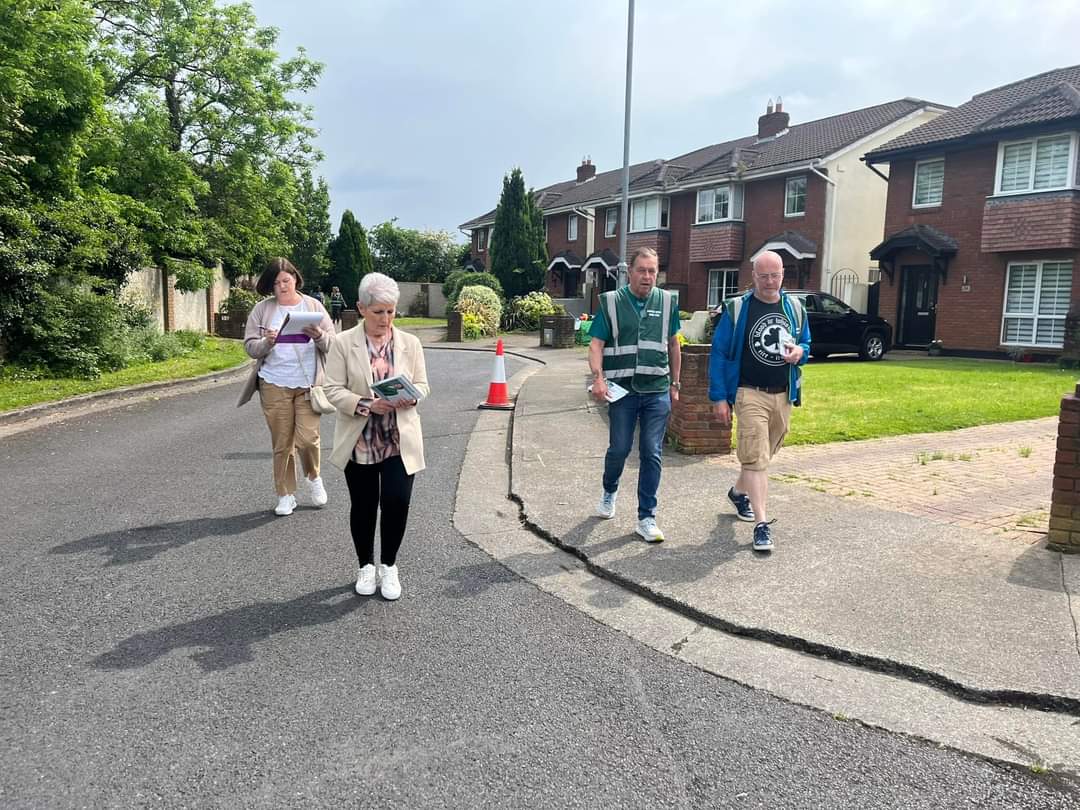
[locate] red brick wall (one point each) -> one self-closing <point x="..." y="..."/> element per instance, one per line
<point x="719" y="242"/>
<point x="694" y="427"/>
<point x="764" y="214"/>
<point x="556" y="235"/>
<point x="474" y="245"/>
<point x="966" y="321"/>
<point x="1042" y="221"/>
<point x="601" y="241"/>
<point x="1065" y="500"/>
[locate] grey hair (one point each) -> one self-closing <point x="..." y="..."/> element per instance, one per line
<point x="642" y="253"/>
<point x="377" y="288"/>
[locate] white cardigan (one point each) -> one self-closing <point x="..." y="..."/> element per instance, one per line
<point x="348" y="380"/>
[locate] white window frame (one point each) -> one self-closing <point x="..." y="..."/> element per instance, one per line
<point x="788" y="196"/>
<point x="663" y="214"/>
<point x="729" y="274"/>
<point x="571" y="228"/>
<point x="611" y="222"/>
<point x="481" y="240"/>
<point x="915" y="184"/>
<point x="1034" y="314"/>
<point x="1070" y="174"/>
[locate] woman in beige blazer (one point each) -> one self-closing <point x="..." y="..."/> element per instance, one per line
<point x="379" y="446"/>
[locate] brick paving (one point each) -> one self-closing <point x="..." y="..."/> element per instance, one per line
<point x="995" y="478"/>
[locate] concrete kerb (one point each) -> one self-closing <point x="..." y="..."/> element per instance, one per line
<point x="874" y="661"/>
<point x="128" y="392"/>
<point x="1004" y="735"/>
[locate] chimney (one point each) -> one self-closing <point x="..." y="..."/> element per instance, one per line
<point x="586" y="171"/>
<point x="773" y="121"/>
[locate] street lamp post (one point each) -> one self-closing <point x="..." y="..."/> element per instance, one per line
<point x="624" y="217"/>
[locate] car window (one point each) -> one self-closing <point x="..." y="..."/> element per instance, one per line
<point x="834" y="307"/>
<point x="809" y="301"/>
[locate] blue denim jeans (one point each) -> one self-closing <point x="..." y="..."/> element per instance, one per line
<point x="652" y="411"/>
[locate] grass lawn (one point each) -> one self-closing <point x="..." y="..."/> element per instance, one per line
<point x="216" y="354"/>
<point x="405" y="323"/>
<point x="845" y="400"/>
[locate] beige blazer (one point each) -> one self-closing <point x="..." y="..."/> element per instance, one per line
<point x="259" y="347"/>
<point x="348" y="380"/>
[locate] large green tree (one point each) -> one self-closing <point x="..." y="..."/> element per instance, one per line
<point x="518" y="249"/>
<point x="350" y="257"/>
<point x="204" y="82"/>
<point x="405" y="254"/>
<point x="310" y="233"/>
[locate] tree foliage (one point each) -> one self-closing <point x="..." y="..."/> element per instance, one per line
<point x="405" y="254"/>
<point x="518" y="248"/>
<point x="157" y="131"/>
<point x="350" y="257"/>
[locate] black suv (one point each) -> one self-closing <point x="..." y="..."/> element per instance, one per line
<point x="836" y="328"/>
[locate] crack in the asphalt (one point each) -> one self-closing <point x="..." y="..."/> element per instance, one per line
<point x="971" y="694"/>
<point x="1068" y="603"/>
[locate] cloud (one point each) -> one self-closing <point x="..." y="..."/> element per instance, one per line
<point x="424" y="106"/>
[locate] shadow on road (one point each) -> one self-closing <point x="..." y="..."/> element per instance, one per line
<point x="146" y="542"/>
<point x="226" y="639"/>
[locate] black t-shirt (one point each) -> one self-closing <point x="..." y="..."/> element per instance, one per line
<point x="767" y="329"/>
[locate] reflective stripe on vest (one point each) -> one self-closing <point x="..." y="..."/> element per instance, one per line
<point x="639" y="343"/>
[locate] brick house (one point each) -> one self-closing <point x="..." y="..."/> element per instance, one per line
<point x="798" y="189"/>
<point x="982" y="225"/>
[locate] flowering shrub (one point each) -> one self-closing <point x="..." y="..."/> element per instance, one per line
<point x="525" y="311"/>
<point x="472" y="328"/>
<point x="484" y="304"/>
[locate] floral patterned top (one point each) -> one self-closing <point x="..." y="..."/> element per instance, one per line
<point x="380" y="439"/>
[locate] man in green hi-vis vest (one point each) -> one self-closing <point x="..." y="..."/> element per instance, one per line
<point x="635" y="345"/>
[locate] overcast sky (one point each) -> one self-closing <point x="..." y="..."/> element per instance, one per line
<point x="424" y="106"/>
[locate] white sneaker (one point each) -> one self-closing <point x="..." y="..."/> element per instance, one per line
<point x="285" y="505"/>
<point x="648" y="529"/>
<point x="606" y="507"/>
<point x="365" y="580"/>
<point x="316" y="491"/>
<point x="389" y="584"/>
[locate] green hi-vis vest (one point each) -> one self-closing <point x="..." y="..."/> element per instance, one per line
<point x="637" y="355"/>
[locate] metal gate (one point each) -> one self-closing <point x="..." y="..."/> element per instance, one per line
<point x="842" y="283"/>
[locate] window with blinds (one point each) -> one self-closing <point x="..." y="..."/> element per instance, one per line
<point x="929" y="183"/>
<point x="1039" y="164"/>
<point x="1037" y="298"/>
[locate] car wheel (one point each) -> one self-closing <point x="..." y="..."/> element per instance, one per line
<point x="873" y="347"/>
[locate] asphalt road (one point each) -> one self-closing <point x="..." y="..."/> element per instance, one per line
<point x="168" y="642"/>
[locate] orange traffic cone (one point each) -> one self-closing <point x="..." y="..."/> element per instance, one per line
<point x="497" y="397"/>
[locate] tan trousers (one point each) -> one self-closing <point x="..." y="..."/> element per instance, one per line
<point x="293" y="424"/>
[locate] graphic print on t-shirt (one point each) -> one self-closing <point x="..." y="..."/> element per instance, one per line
<point x="767" y="338"/>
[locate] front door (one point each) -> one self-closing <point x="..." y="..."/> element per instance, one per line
<point x="918" y="305"/>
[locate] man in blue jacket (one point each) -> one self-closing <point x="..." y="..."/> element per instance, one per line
<point x="760" y="342"/>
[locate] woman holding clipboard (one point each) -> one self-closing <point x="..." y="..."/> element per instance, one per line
<point x="377" y="441"/>
<point x="288" y="362"/>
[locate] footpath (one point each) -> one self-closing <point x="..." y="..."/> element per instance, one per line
<point x="922" y="556"/>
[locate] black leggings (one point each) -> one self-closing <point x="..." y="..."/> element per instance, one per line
<point x="365" y="482"/>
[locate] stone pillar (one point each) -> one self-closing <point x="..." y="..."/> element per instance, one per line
<point x="168" y="300"/>
<point x="1065" y="499"/>
<point x="694" y="427"/>
<point x="349" y="318"/>
<point x="557" y="331"/>
<point x="453" y="327"/>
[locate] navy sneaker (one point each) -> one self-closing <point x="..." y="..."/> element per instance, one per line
<point x="763" y="537"/>
<point x="742" y="505"/>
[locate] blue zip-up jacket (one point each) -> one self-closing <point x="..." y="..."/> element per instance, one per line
<point x="725" y="361"/>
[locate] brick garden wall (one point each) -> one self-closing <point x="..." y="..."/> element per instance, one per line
<point x="1065" y="499"/>
<point x="694" y="427"/>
